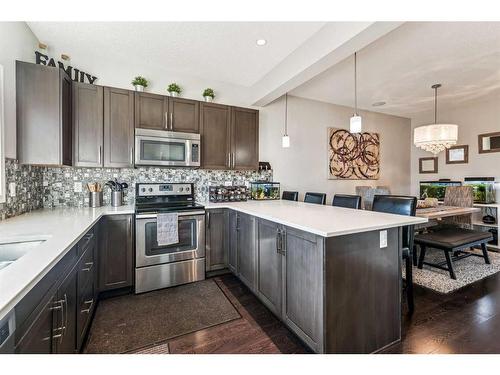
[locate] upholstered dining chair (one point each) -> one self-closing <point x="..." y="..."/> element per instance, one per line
<point x="318" y="198"/>
<point x="401" y="205"/>
<point x="290" y="195"/>
<point x="347" y="201"/>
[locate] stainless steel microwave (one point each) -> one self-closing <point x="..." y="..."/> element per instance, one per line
<point x="166" y="148"/>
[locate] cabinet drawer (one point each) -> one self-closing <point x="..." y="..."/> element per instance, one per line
<point x="86" y="268"/>
<point x="84" y="312"/>
<point x="87" y="240"/>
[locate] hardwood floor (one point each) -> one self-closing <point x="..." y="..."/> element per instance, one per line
<point x="466" y="321"/>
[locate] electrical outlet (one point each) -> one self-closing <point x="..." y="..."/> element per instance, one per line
<point x="383" y="239"/>
<point x="12" y="189"/>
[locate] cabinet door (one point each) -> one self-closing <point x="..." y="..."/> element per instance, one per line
<point x="247" y="250"/>
<point x="43" y="107"/>
<point x="232" y="256"/>
<point x="151" y="111"/>
<point x="115" y="252"/>
<point x="64" y="324"/>
<point x="88" y="122"/>
<point x="66" y="117"/>
<point x="118" y="128"/>
<point x="244" y="138"/>
<point x="215" y="136"/>
<point x="38" y="338"/>
<point x="303" y="287"/>
<point x="184" y="115"/>
<point x="217" y="239"/>
<point x="269" y="263"/>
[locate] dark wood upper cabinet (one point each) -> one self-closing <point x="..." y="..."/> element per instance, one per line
<point x="151" y="111"/>
<point x="184" y="115"/>
<point x="43" y="104"/>
<point x="118" y="128"/>
<point x="115" y="252"/>
<point x="215" y="126"/>
<point x="88" y="125"/>
<point x="244" y="138"/>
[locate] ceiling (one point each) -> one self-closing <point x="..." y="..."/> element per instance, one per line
<point x="217" y="51"/>
<point x="401" y="66"/>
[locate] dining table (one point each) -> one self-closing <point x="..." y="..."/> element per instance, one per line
<point x="441" y="211"/>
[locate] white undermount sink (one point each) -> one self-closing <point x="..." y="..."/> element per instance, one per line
<point x="13" y="249"/>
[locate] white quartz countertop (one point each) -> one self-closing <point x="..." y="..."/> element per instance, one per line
<point x="325" y="221"/>
<point x="61" y="228"/>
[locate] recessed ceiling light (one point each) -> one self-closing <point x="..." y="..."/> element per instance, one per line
<point x="378" y="104"/>
<point x="261" y="42"/>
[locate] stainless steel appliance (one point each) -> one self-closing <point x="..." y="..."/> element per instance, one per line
<point x="183" y="262"/>
<point x="161" y="147"/>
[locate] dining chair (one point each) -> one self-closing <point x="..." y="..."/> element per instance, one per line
<point x="317" y="198"/>
<point x="290" y="196"/>
<point x="401" y="205"/>
<point x="347" y="201"/>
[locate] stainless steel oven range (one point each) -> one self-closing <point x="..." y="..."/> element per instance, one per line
<point x="183" y="262"/>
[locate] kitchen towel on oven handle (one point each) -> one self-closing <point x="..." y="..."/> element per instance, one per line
<point x="167" y="229"/>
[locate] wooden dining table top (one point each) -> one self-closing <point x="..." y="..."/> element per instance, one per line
<point x="445" y="211"/>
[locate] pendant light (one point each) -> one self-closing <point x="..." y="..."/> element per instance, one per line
<point x="355" y="124"/>
<point x="285" y="140"/>
<point x="436" y="137"/>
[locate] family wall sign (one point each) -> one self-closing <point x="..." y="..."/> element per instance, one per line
<point x="74" y="73"/>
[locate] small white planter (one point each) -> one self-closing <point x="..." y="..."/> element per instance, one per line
<point x="209" y="99"/>
<point x="139" y="88"/>
<point x="173" y="94"/>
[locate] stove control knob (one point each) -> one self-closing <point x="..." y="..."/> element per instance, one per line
<point x="150" y="190"/>
<point x="143" y="190"/>
<point x="181" y="188"/>
<point x="187" y="189"/>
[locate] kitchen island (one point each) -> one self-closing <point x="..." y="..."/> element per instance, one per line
<point x="332" y="275"/>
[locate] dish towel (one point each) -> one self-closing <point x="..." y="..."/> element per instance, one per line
<point x="167" y="229"/>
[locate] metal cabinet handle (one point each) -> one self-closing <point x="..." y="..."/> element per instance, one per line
<point x="278" y="242"/>
<point x="208" y="219"/>
<point x="229" y="160"/>
<point x="89" y="266"/>
<point x="90" y="303"/>
<point x="59" y="305"/>
<point x="166" y="120"/>
<point x="100" y="154"/>
<point x="171" y="121"/>
<point x="283" y="242"/>
<point x="233" y="158"/>
<point x="131" y="155"/>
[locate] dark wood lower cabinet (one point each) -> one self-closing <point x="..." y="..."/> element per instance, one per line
<point x="217" y="239"/>
<point x="247" y="252"/>
<point x="64" y="318"/>
<point x="116" y="263"/>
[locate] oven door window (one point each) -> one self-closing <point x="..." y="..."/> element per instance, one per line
<point x="187" y="239"/>
<point x="163" y="151"/>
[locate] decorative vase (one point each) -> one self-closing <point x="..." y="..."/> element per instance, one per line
<point x="139" y="88"/>
<point x="173" y="93"/>
<point x="209" y="99"/>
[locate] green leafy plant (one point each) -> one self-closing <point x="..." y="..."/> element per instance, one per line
<point x="209" y="92"/>
<point x="141" y="81"/>
<point x="174" y="87"/>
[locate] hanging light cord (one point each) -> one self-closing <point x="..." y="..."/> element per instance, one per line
<point x="435" y="104"/>
<point x="286" y="114"/>
<point x="355" y="85"/>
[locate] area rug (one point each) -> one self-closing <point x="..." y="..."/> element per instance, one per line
<point x="132" y="322"/>
<point x="468" y="271"/>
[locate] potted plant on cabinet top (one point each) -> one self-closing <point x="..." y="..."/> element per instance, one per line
<point x="209" y="95"/>
<point x="140" y="83"/>
<point x="174" y="89"/>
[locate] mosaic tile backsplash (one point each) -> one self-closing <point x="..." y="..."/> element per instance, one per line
<point x="36" y="187"/>
<point x="68" y="186"/>
<point x="24" y="189"/>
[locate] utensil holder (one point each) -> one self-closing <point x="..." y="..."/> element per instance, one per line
<point x="95" y="198"/>
<point x="116" y="198"/>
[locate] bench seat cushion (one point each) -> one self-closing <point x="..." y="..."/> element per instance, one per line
<point x="449" y="238"/>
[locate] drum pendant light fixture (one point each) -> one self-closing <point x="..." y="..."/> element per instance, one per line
<point x="285" y="140"/>
<point x="436" y="137"/>
<point x="355" y="123"/>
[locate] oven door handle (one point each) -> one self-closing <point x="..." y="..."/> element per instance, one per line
<point x="182" y="213"/>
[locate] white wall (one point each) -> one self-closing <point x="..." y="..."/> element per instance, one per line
<point x="304" y="166"/>
<point x="17" y="42"/>
<point x="473" y="118"/>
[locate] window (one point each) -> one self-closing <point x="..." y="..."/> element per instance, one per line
<point x="2" y="149"/>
